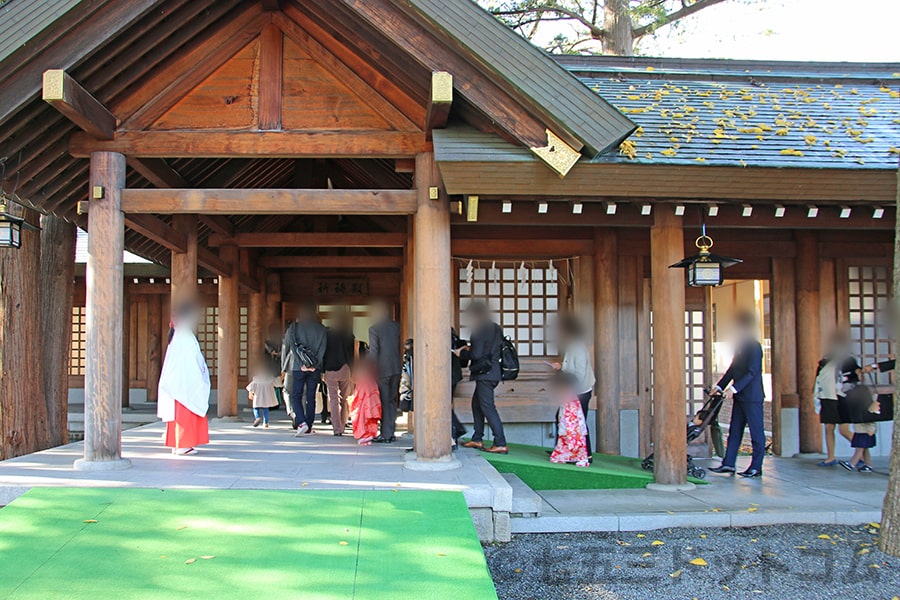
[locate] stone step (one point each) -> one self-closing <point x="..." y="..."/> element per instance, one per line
<point x="525" y="501"/>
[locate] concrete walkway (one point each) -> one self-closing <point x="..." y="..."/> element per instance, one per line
<point x="241" y="457"/>
<point x="792" y="491"/>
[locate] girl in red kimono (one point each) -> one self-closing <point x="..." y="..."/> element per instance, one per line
<point x="184" y="387"/>
<point x="571" y="445"/>
<point x="366" y="408"/>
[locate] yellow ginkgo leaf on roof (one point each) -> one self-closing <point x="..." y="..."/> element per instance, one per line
<point x="894" y="150"/>
<point x="701" y="159"/>
<point x="791" y="152"/>
<point x="810" y="140"/>
<point x="628" y="148"/>
<point x="650" y="69"/>
<point x="699" y="562"/>
<point x="782" y="131"/>
<point x="639" y="132"/>
<point x="669" y="152"/>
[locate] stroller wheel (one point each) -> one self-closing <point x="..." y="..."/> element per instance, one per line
<point x="699" y="473"/>
<point x="647" y="464"/>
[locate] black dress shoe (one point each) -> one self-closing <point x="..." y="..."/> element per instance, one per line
<point x="381" y="440"/>
<point x="723" y="469"/>
<point x="749" y="473"/>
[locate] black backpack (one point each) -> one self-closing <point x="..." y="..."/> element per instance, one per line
<point x="509" y="360"/>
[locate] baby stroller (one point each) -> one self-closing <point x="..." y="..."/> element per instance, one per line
<point x="706" y="417"/>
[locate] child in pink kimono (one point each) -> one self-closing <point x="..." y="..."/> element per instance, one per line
<point x="571" y="445"/>
<point x="365" y="411"/>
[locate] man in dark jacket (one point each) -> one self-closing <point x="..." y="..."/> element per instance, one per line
<point x="306" y="335"/>
<point x="484" y="370"/>
<point x="384" y="350"/>
<point x="457" y="348"/>
<point x="339" y="356"/>
<point x="743" y="384"/>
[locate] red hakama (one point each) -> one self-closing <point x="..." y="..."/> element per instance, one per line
<point x="187" y="430"/>
<point x="366" y="410"/>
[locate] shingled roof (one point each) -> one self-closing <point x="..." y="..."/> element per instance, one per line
<point x="746" y="113"/>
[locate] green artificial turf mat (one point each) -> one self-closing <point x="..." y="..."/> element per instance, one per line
<point x="316" y="545"/>
<point x="532" y="465"/>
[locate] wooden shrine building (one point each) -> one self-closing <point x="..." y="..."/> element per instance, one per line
<point x="262" y="153"/>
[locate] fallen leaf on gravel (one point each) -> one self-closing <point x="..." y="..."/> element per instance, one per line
<point x="190" y="561"/>
<point x="874" y="566"/>
<point x="698" y="562"/>
<point x="863" y="551"/>
<point x="800" y="547"/>
<point x="641" y="535"/>
<point x="657" y="543"/>
<point x="752" y="504"/>
<point x="875" y="525"/>
<point x="207" y="557"/>
<point x="561" y="547"/>
<point x="754" y="540"/>
<point x="676" y="574"/>
<point x="702" y="536"/>
<point x="716" y="509"/>
<point x="646" y="554"/>
<point x="89" y="521"/>
<point x="304" y="484"/>
<point x="621" y="543"/>
<point x="824" y="536"/>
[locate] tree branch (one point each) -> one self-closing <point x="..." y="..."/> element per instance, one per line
<point x="686" y="10"/>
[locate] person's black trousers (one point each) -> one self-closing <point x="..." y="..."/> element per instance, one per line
<point x="388" y="389"/>
<point x="456" y="430"/>
<point x="585" y="400"/>
<point x="483" y="407"/>
<point x="745" y="414"/>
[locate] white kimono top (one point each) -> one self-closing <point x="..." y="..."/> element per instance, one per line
<point x="184" y="377"/>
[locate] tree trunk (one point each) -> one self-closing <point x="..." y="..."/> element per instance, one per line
<point x="619" y="37"/>
<point x="57" y="285"/>
<point x="890" y="512"/>
<point x="23" y="413"/>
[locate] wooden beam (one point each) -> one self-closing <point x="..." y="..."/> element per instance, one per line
<point x="539" y="248"/>
<point x="157" y="171"/>
<point x="270" y="202"/>
<point x="184" y="264"/>
<point x="311" y="240"/>
<point x="405" y="165"/>
<point x="331" y="262"/>
<point x="271" y="4"/>
<point x="259" y="144"/>
<point x="440" y="100"/>
<point x="68" y="97"/>
<point x="211" y="261"/>
<point x="271" y="51"/>
<point x="159" y="231"/>
<point x="220" y="224"/>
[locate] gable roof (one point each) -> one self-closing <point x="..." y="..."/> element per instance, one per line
<point x="748" y="113"/>
<point x="531" y="71"/>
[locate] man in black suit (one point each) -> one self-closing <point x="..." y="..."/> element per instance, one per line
<point x="743" y="384"/>
<point x="384" y="350"/>
<point x="484" y="370"/>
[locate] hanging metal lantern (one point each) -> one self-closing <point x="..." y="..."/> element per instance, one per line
<point x="705" y="269"/>
<point x="11" y="227"/>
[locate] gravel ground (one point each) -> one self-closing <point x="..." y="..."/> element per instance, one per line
<point x="785" y="562"/>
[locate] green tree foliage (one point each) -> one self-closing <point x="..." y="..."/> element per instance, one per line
<point x="591" y="26"/>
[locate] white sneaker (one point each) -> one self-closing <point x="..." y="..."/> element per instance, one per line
<point x="302" y="430"/>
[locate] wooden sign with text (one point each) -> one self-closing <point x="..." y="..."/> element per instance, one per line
<point x="341" y="287"/>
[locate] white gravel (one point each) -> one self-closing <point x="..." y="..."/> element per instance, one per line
<point x="787" y="562"/>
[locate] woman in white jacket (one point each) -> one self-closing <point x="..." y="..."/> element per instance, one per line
<point x="577" y="363"/>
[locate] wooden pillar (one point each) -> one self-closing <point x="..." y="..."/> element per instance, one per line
<point x="105" y="304"/>
<point x="257" y="329"/>
<point x="808" y="338"/>
<point x="273" y="305"/>
<point x="23" y="413"/>
<point x="229" y="335"/>
<point x="126" y="343"/>
<point x="408" y="289"/>
<point x="431" y="317"/>
<point x="57" y="287"/>
<point x="154" y="345"/>
<point x="606" y="336"/>
<point x="184" y="264"/>
<point x="667" y="298"/>
<point x="784" y="357"/>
